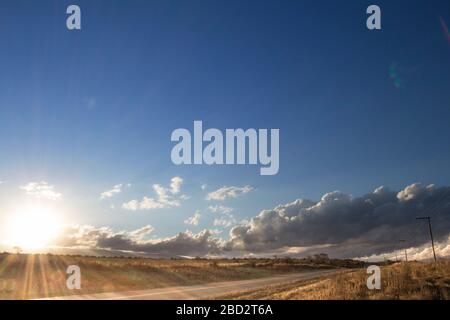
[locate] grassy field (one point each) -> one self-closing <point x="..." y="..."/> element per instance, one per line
<point x="25" y="276"/>
<point x="412" y="280"/>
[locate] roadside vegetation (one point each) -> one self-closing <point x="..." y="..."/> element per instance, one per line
<point x="25" y="276"/>
<point x="399" y="281"/>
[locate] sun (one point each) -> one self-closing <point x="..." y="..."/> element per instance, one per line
<point x="32" y="227"/>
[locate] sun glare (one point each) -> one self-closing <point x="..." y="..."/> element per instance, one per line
<point x="32" y="227"/>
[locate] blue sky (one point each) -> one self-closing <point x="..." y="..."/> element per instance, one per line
<point x="87" y="110"/>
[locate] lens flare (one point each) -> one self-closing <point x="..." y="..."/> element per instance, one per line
<point x="32" y="227"/>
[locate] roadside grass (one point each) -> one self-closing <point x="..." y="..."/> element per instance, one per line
<point x="27" y="276"/>
<point x="400" y="281"/>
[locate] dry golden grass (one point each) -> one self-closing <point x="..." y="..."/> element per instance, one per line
<point x="413" y="280"/>
<point x="38" y="276"/>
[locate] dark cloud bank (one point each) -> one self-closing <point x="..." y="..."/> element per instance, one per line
<point x="338" y="224"/>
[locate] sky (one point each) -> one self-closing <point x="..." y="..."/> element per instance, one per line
<point x="86" y="115"/>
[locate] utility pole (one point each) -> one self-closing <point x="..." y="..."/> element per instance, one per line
<point x="406" y="254"/>
<point x="431" y="233"/>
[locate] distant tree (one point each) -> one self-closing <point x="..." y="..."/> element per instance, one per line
<point x="321" y="258"/>
<point x="288" y="260"/>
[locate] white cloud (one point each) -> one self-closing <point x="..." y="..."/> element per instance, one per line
<point x="165" y="197"/>
<point x="228" y="192"/>
<point x="194" y="220"/>
<point x="110" y="193"/>
<point x="175" y="184"/>
<point x="227" y="221"/>
<point x="41" y="190"/>
<point x="413" y="191"/>
<point x="223" y="222"/>
<point x="204" y="186"/>
<point x="338" y="224"/>
<point x="150" y="203"/>
<point x="132" y="205"/>
<point x="220" y="209"/>
<point x="139" y="234"/>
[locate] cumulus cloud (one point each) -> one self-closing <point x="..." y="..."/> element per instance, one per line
<point x="348" y="226"/>
<point x="194" y="220"/>
<point x="165" y="197"/>
<point x="225" y="219"/>
<point x="110" y="193"/>
<point x="338" y="224"/>
<point x="225" y="222"/>
<point x="220" y="209"/>
<point x="228" y="192"/>
<point x="175" y="184"/>
<point x="182" y="244"/>
<point x="41" y="190"/>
